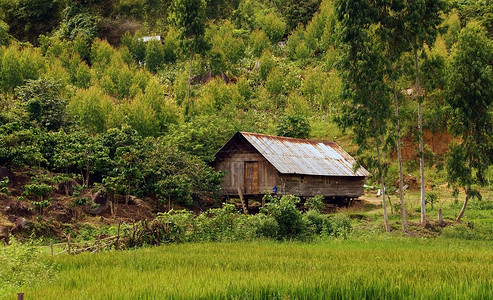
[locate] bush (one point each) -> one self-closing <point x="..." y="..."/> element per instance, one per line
<point x="37" y="190"/>
<point x="274" y="26"/>
<point x="295" y="126"/>
<point x="341" y="226"/>
<point x="317" y="223"/>
<point x="288" y="217"/>
<point x="179" y="224"/>
<point x="315" y="203"/>
<point x="258" y="42"/>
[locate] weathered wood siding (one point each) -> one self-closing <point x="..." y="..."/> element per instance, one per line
<point x="261" y="176"/>
<point x="309" y="186"/>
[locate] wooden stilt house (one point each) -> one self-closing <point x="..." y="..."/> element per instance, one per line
<point x="256" y="163"/>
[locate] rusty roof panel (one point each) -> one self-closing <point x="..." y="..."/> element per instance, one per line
<point x="297" y="156"/>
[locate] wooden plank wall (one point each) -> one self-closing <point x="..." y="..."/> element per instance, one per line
<point x="233" y="163"/>
<point x="309" y="186"/>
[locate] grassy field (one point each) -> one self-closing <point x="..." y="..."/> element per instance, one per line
<point x="380" y="268"/>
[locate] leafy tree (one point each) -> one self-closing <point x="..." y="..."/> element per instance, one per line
<point x="295" y="126"/>
<point x="4" y="34"/>
<point x="30" y="18"/>
<point x="20" y="146"/>
<point x="288" y="217"/>
<point x="202" y="136"/>
<point x="180" y="178"/>
<point x="422" y="25"/>
<point x="258" y="42"/>
<point x="18" y="65"/>
<point x="77" y="20"/>
<point x="154" y="56"/>
<point x="365" y="107"/>
<point x="91" y="107"/>
<point x="188" y="16"/>
<point x="44" y="102"/>
<point x="470" y="95"/>
<point x="299" y="12"/>
<point x="274" y="26"/>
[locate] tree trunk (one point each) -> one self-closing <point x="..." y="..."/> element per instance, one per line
<point x="87" y="174"/>
<point x="382" y="182"/>
<point x="459" y="217"/>
<point x="421" y="145"/>
<point x="189" y="83"/>
<point x="440" y="216"/>
<point x="399" y="158"/>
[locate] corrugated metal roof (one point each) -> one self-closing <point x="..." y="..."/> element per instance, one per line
<point x="297" y="156"/>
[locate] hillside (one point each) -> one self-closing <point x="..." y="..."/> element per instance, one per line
<point x="91" y="107"/>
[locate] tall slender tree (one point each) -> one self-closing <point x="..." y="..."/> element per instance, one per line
<point x="188" y="16"/>
<point x="366" y="107"/>
<point x="390" y="20"/>
<point x="421" y="26"/>
<point x="470" y="95"/>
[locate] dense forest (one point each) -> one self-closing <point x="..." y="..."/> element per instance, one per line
<point x="86" y="95"/>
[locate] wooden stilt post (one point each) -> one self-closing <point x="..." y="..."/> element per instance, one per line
<point x="51" y="246"/>
<point x="245" y="208"/>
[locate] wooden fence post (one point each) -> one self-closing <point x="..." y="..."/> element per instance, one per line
<point x="20" y="296"/>
<point x="51" y="246"/>
<point x="118" y="236"/>
<point x="68" y="243"/>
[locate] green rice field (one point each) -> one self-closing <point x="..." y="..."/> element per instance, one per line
<point x="381" y="268"/>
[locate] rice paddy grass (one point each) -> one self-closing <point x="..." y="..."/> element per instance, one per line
<point x="381" y="268"/>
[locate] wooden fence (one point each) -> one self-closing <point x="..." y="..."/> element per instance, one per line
<point x="98" y="245"/>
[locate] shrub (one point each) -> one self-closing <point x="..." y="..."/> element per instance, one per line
<point x="179" y="224"/>
<point x="431" y="198"/>
<point x="315" y="203"/>
<point x="341" y="226"/>
<point x="258" y="42"/>
<point x="37" y="190"/>
<point x="295" y="126"/>
<point x="274" y="26"/>
<point x="317" y="223"/>
<point x="4" y="186"/>
<point x="288" y="217"/>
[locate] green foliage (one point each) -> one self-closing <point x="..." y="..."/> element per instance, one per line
<point x="37" y="190"/>
<point x="154" y="55"/>
<point x="258" y="41"/>
<point x="431" y="198"/>
<point x="44" y="102"/>
<point x="18" y="65"/>
<point x="178" y="178"/>
<point x="92" y="107"/>
<point x="4" y="34"/>
<point x="4" y="186"/>
<point x="23" y="265"/>
<point x="202" y="136"/>
<point x="75" y="24"/>
<point x="299" y="11"/>
<point x="274" y="26"/>
<point x="288" y="217"/>
<point x="30" y="18"/>
<point x="188" y="16"/>
<point x="315" y="203"/>
<point x="295" y="126"/>
<point x="267" y="63"/>
<point x="470" y="94"/>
